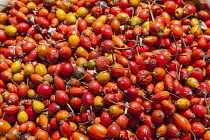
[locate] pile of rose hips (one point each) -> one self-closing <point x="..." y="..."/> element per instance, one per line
<point x="113" y="69"/>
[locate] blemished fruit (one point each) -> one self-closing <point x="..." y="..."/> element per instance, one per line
<point x="109" y="69"/>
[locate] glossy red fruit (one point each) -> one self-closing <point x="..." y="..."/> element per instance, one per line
<point x="56" y="135"/>
<point x="108" y="45"/>
<point x="198" y="128"/>
<point x="176" y="31"/>
<point x="189" y="9"/>
<point x="66" y="69"/>
<point x="133" y="66"/>
<point x="32" y="31"/>
<point x="97" y="11"/>
<point x="173" y="130"/>
<point x="106" y="119"/>
<point x="88" y="99"/>
<point x="65" y="129"/>
<point x="12" y="99"/>
<point x="102" y="63"/>
<point x="85" y="42"/>
<point x="53" y="108"/>
<point x="23" y="90"/>
<point x="184" y="74"/>
<point x="129" y="54"/>
<point x="184" y="58"/>
<point x="170" y="6"/>
<point x="11" y="109"/>
<point x="143" y="132"/>
<point x="106" y="31"/>
<point x="198" y="54"/>
<point x="123" y="4"/>
<point x="122" y="121"/>
<point x="161" y="60"/>
<point x="9" y="52"/>
<point x="158" y="10"/>
<point x="135" y="107"/>
<point x="199" y="110"/>
<point x="197" y="73"/>
<point x="187" y="113"/>
<point x="44" y="90"/>
<point x="123" y="134"/>
<point x="76" y="102"/>
<point x="156" y="28"/>
<point x="124" y="83"/>
<point x="3" y="35"/>
<point x="65" y="52"/>
<point x="31" y="113"/>
<point x="97" y="26"/>
<point x="158" y="116"/>
<point x="132" y="92"/>
<point x="143" y="77"/>
<point x="61" y="97"/>
<point x="94" y="87"/>
<point x="144" y="14"/>
<point x="117" y="70"/>
<point x="147" y="106"/>
<point x="113" y="131"/>
<point x="28" y="47"/>
<point x="189" y="39"/>
<point x="203" y="89"/>
<point x="199" y="63"/>
<point x="115" y="10"/>
<point x="42" y="22"/>
<point x="146" y="119"/>
<point x="186" y="92"/>
<point x="53" y="55"/>
<point x="23" y="27"/>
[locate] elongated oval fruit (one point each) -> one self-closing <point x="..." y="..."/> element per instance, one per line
<point x="182" y="123"/>
<point x="97" y="131"/>
<point x="4" y="127"/>
<point x="41" y="21"/>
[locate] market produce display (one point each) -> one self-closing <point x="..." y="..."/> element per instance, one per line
<point x="112" y="69"/>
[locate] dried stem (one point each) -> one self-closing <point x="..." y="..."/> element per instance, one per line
<point x="152" y="16"/>
<point x="13" y="82"/>
<point x="126" y="48"/>
<point x="176" y="46"/>
<point x="117" y="67"/>
<point x="8" y="6"/>
<point x="175" y="95"/>
<point x="205" y="99"/>
<point x="193" y="135"/>
<point x="70" y="107"/>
